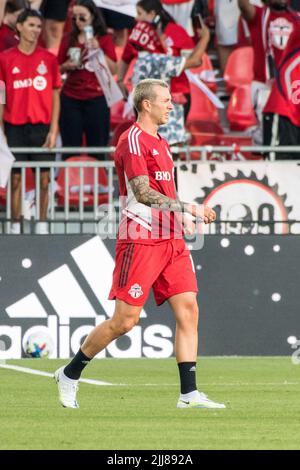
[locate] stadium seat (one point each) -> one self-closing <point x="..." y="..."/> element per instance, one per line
<point x="30" y="185"/>
<point x="239" y="68"/>
<point x="202" y="108"/>
<point x="2" y="196"/>
<point x="240" y="111"/>
<point x="88" y="181"/>
<point x="206" y="65"/>
<point x="118" y="131"/>
<point x="237" y="141"/>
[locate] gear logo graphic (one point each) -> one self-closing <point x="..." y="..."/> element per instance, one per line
<point x="247" y="204"/>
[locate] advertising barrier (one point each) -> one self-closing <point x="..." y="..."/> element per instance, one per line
<point x="248" y="296"/>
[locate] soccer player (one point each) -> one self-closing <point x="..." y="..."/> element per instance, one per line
<point x="147" y="253"/>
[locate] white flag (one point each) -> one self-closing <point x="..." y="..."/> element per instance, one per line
<point x="110" y="89"/>
<point x="6" y="161"/>
<point x="210" y="95"/>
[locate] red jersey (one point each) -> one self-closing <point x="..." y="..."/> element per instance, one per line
<point x="29" y="80"/>
<point x="175" y="39"/>
<point x="270" y="32"/>
<point x="285" y="95"/>
<point x="8" y="38"/>
<point x="82" y="84"/>
<point x="139" y="153"/>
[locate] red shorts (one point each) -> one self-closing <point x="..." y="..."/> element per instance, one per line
<point x="166" y="267"/>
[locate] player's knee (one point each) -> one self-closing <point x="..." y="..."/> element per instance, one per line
<point x="189" y="315"/>
<point x="124" y="326"/>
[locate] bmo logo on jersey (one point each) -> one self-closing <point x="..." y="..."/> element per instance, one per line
<point x="39" y="83"/>
<point x="163" y="176"/>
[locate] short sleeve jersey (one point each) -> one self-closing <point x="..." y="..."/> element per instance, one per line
<point x="270" y="32"/>
<point x="139" y="153"/>
<point x="285" y="95"/>
<point x="29" y="81"/>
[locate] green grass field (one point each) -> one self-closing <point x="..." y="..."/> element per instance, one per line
<point x="261" y="394"/>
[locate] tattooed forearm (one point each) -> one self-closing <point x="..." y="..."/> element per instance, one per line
<point x="148" y="196"/>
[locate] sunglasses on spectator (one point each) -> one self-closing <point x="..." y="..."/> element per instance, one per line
<point x="81" y="18"/>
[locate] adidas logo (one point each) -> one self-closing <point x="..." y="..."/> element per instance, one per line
<point x="155" y="153"/>
<point x="16" y="70"/>
<point x="52" y="308"/>
<point x="193" y="369"/>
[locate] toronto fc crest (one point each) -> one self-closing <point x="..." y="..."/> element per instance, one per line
<point x="135" y="291"/>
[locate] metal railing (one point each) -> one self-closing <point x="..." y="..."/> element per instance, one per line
<point x="82" y="214"/>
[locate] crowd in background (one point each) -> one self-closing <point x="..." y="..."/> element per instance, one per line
<point x="52" y="86"/>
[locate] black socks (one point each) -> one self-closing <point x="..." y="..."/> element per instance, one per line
<point x="187" y="372"/>
<point x="75" y="367"/>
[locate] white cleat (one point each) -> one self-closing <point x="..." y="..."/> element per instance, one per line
<point x="198" y="400"/>
<point x="67" y="389"/>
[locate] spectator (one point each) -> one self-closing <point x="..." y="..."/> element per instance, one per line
<point x="181" y="11"/>
<point x="30" y="116"/>
<point x="282" y="113"/>
<point x="83" y="106"/>
<point x="55" y="14"/>
<point x="117" y="17"/>
<point x="227" y="15"/>
<point x="157" y="42"/>
<point x="270" y="28"/>
<point x="8" y="34"/>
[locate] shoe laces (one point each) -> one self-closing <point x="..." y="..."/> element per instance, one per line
<point x="69" y="387"/>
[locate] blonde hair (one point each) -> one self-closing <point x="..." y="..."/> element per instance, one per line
<point x="144" y="90"/>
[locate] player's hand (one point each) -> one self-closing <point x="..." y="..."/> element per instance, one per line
<point x="201" y="211"/>
<point x="50" y="141"/>
<point x="189" y="225"/>
<point x="209" y="215"/>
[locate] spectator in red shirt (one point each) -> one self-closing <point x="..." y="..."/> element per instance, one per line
<point x="8" y="34"/>
<point x="30" y="116"/>
<point x="84" y="110"/>
<point x="282" y="113"/>
<point x="270" y="28"/>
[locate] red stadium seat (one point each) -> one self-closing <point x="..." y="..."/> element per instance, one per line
<point x="206" y="65"/>
<point x="202" y="108"/>
<point x="202" y="133"/>
<point x="240" y="111"/>
<point x="74" y="182"/>
<point x="116" y="114"/>
<point x="30" y="185"/>
<point x="237" y="141"/>
<point x="118" y="131"/>
<point x="239" y="68"/>
<point x="2" y="196"/>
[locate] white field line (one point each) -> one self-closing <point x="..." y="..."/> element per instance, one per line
<point x="26" y="370"/>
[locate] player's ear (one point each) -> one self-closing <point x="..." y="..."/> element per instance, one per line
<point x="146" y="105"/>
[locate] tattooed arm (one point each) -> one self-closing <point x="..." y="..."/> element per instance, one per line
<point x="148" y="196"/>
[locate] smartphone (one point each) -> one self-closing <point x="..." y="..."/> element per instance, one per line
<point x="197" y="21"/>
